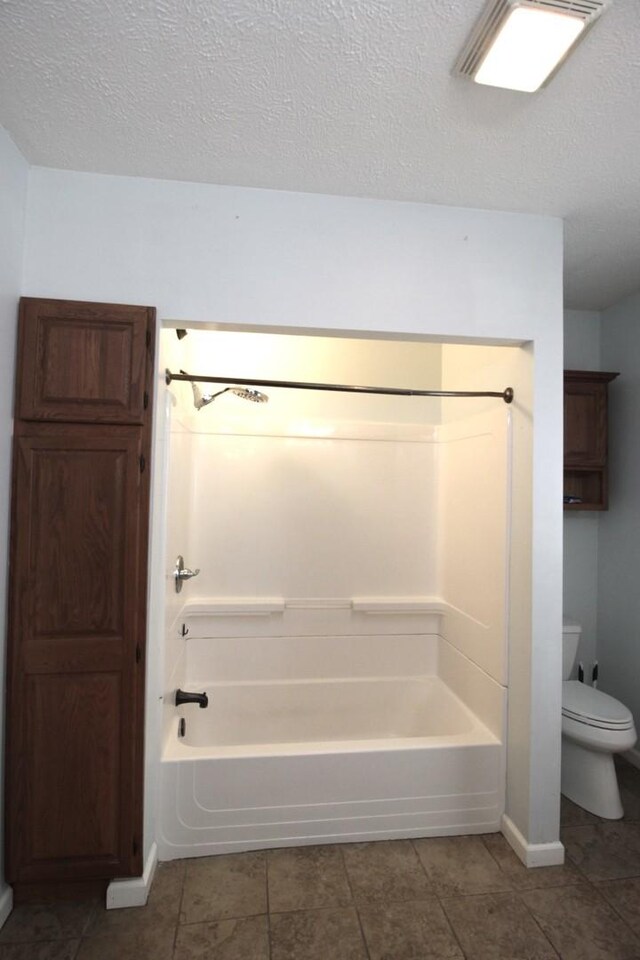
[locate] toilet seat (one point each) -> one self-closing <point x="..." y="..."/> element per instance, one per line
<point x="584" y="704"/>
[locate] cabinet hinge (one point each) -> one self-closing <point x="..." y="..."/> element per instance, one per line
<point x="145" y="400"/>
<point x="143" y="463"/>
<point x="134" y="846"/>
<point x="138" y="653"/>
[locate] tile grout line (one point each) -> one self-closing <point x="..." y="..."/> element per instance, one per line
<point x="242" y="916"/>
<point x="88" y="921"/>
<point x="482" y="893"/>
<point x="436" y="895"/>
<point x="512" y="890"/>
<point x="69" y="937"/>
<point x="497" y="862"/>
<point x="86" y="927"/>
<point x="432" y="885"/>
<point x="602" y="897"/>
<point x="412" y="841"/>
<point x="544" y="886"/>
<point x="180" y="900"/>
<point x="452" y="928"/>
<point x="519" y="890"/>
<point x="353" y="901"/>
<point x="574" y="863"/>
<point x="585" y="883"/>
<point x="583" y="871"/>
<point x="518" y="893"/>
<point x="266" y="880"/>
<point x="37" y="943"/>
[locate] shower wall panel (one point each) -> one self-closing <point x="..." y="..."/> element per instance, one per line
<point x="473" y="535"/>
<point x="306" y="517"/>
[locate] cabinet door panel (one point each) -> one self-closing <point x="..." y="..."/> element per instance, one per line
<point x="75" y="740"/>
<point x="74" y="776"/>
<point x="82" y="362"/>
<point x="76" y="574"/>
<point x="585" y="424"/>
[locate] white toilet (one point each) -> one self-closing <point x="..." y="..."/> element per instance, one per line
<point x="594" y="727"/>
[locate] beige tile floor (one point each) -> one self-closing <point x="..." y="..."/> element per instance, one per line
<point x="465" y="897"/>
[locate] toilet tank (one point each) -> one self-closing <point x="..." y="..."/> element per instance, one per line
<point x="571" y="632"/>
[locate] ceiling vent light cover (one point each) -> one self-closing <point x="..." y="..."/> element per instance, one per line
<point x="492" y="32"/>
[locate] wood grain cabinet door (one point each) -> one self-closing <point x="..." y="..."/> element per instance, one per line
<point x="82" y="362"/>
<point x="585" y="422"/>
<point x="75" y="719"/>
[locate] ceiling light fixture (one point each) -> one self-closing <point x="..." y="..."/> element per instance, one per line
<point x="520" y="44"/>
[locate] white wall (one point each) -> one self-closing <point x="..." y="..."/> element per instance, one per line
<point x="13" y="199"/>
<point x="580" y="568"/>
<point x="258" y="257"/>
<point x="582" y="340"/>
<point x="619" y="533"/>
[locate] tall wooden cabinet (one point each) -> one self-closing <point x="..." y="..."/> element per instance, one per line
<point x="77" y="592"/>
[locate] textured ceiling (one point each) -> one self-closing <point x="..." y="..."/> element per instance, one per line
<point x="349" y="97"/>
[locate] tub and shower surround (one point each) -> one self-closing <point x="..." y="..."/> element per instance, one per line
<point x="349" y="627"/>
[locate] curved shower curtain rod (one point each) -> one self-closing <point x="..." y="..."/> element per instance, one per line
<point x="506" y="395"/>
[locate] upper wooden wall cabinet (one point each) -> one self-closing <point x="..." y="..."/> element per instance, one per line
<point x="82" y="365"/>
<point x="585" y="439"/>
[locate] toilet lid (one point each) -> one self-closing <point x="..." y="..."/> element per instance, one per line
<point x="583" y="703"/>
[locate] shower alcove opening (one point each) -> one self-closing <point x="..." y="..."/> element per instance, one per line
<point x="349" y="623"/>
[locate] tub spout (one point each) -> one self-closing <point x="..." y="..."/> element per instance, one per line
<point x="200" y="698"/>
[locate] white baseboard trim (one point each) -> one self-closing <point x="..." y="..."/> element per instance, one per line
<point x="134" y="892"/>
<point x="6" y="904"/>
<point x="633" y="757"/>
<point x="531" y="854"/>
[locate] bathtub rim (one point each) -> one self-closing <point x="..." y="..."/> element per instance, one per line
<point x="176" y="750"/>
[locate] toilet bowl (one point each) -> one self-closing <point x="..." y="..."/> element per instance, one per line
<point x="595" y="726"/>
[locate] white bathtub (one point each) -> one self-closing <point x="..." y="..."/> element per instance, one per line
<point x="254" y="718"/>
<point x="279" y="763"/>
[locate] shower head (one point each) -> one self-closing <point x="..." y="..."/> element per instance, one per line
<point x="201" y="399"/>
<point x="247" y="394"/>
